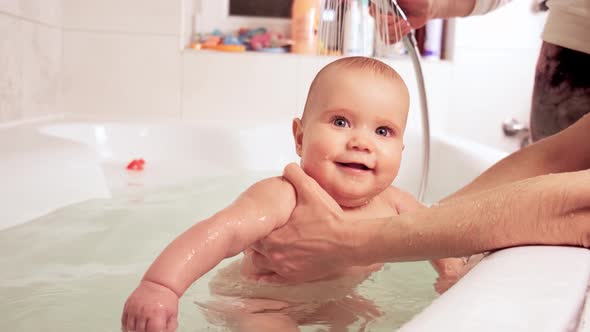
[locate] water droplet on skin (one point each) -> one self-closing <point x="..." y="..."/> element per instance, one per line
<point x="191" y="255"/>
<point x="263" y="218"/>
<point x="572" y="215"/>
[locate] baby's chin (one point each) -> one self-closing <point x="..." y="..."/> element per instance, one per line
<point x="351" y="201"/>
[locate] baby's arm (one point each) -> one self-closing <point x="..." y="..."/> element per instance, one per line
<point x="254" y="214"/>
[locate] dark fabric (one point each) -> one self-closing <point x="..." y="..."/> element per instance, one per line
<point x="561" y="94"/>
<point x="263" y="8"/>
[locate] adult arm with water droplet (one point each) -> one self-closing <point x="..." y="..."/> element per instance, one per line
<point x="153" y="306"/>
<point x="567" y="151"/>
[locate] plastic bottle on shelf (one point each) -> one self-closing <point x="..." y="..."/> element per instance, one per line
<point x="304" y="25"/>
<point x="433" y="40"/>
<point x="353" y="29"/>
<point x="368" y="29"/>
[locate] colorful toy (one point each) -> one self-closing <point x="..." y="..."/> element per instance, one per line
<point x="136" y="165"/>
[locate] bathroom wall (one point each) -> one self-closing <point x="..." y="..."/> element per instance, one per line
<point x="123" y="59"/>
<point x="30" y="58"/>
<point x="493" y="72"/>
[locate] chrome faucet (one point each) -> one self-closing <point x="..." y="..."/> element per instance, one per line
<point x="513" y="127"/>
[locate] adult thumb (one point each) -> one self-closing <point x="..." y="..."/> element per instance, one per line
<point x="304" y="185"/>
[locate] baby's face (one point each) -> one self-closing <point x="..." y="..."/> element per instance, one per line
<point x="351" y="139"/>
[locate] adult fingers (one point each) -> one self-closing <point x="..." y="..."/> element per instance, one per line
<point x="258" y="248"/>
<point x="308" y="190"/>
<point x="274" y="279"/>
<point x="259" y="260"/>
<point x="304" y="184"/>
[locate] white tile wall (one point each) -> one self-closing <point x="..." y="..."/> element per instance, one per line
<point x="132" y="16"/>
<point x="489" y="86"/>
<point x="513" y="26"/>
<point x="239" y="87"/>
<point x="121" y="76"/>
<point x="11" y="7"/>
<point x="41" y="70"/>
<point x="47" y="12"/>
<point x="494" y="60"/>
<point x="30" y="58"/>
<point x="11" y="45"/>
<point x="44" y="11"/>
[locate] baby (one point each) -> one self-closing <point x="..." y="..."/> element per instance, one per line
<point x="350" y="140"/>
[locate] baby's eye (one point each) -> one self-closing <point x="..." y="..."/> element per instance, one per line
<point x="384" y="131"/>
<point x="340" y="122"/>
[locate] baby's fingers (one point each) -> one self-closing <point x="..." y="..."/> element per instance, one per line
<point x="124" y="321"/>
<point x="128" y="318"/>
<point x="172" y="324"/>
<point x="156" y="324"/>
<point x="141" y="324"/>
<point x="130" y="324"/>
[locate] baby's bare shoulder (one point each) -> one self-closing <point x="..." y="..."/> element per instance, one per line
<point x="401" y="200"/>
<point x="272" y="187"/>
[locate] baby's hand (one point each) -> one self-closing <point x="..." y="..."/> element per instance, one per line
<point x="446" y="281"/>
<point x="454" y="271"/>
<point x="150" y="308"/>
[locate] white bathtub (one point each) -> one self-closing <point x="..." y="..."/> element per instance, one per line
<point x="54" y="164"/>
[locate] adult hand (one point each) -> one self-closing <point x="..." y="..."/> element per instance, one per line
<point x="315" y="243"/>
<point x="150" y="308"/>
<point x="417" y="12"/>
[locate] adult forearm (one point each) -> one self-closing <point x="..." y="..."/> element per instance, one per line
<point x="459" y="8"/>
<point x="549" y="210"/>
<point x="452" y="8"/>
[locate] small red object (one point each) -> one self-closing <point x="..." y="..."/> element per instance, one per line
<point x="136" y="165"/>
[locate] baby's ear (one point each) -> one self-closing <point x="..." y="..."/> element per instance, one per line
<point x="298" y="135"/>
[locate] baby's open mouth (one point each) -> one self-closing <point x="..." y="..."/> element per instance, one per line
<point x="354" y="165"/>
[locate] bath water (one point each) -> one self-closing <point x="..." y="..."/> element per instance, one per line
<point x="73" y="269"/>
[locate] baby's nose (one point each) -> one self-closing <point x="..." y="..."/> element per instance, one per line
<point x="360" y="142"/>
